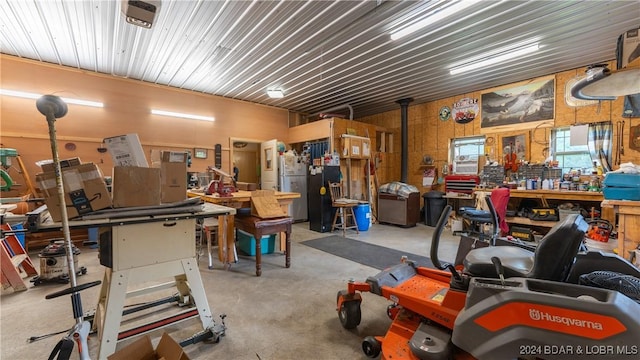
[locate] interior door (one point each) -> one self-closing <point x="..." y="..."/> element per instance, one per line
<point x="269" y="165"/>
<point x="247" y="162"/>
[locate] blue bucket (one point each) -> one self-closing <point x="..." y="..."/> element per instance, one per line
<point x="363" y="216"/>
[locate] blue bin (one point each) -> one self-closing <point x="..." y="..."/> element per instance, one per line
<point x="363" y="216"/>
<point x="247" y="243"/>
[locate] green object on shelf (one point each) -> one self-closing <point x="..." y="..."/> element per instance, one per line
<point x="7" y="182"/>
<point x="6" y="153"/>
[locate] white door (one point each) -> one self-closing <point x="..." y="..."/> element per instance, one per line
<point x="269" y="165"/>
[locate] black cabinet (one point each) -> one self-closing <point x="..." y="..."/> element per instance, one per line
<point x="320" y="210"/>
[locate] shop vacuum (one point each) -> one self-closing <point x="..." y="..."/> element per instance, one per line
<point x="53" y="264"/>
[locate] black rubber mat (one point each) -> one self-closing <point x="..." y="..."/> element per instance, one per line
<point x="376" y="256"/>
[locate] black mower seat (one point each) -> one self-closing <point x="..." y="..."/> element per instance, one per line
<point x="516" y="261"/>
<point x="552" y="259"/>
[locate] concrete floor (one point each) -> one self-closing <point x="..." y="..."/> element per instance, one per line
<point x="284" y="314"/>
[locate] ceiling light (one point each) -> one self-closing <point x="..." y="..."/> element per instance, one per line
<point x="141" y="13"/>
<point x="495" y="59"/>
<point x="182" y="115"/>
<point x="275" y="93"/>
<point x="432" y="18"/>
<point x="28" y="95"/>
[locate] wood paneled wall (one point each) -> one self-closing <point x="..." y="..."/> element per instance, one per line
<point x="127" y="110"/>
<point x="430" y="136"/>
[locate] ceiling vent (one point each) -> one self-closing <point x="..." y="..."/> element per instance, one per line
<point x="140" y="13"/>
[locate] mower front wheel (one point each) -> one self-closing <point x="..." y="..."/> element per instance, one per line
<point x="371" y="347"/>
<point x="349" y="313"/>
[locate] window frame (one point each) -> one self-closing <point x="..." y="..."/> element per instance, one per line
<point x="555" y="152"/>
<point x="456" y="143"/>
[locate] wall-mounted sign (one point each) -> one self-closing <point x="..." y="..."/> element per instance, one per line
<point x="445" y="113"/>
<point x="465" y="110"/>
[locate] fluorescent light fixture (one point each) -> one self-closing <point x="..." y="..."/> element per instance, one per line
<point x="433" y="17"/>
<point x="28" y="95"/>
<point x="182" y="115"/>
<point x="510" y="54"/>
<point x="82" y="102"/>
<point x="275" y="93"/>
<point x="22" y="94"/>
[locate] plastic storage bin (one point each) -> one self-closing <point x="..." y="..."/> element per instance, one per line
<point x="247" y="243"/>
<point x="363" y="216"/>
<point x="622" y="186"/>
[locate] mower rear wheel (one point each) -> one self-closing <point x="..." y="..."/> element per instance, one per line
<point x="371" y="347"/>
<point x="350" y="314"/>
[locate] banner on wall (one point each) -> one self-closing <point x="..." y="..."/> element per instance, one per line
<point x="465" y="110"/>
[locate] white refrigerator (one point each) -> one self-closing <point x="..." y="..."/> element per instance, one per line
<point x="292" y="177"/>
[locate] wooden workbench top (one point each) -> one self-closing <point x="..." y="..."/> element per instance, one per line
<point x="612" y="203"/>
<point x="241" y="195"/>
<point x="555" y="194"/>
<point x="241" y="198"/>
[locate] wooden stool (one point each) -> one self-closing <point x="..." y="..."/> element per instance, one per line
<point x="259" y="227"/>
<point x="210" y="233"/>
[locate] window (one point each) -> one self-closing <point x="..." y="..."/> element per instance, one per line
<point x="569" y="157"/>
<point x="465" y="153"/>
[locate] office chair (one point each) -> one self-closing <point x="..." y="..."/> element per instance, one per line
<point x="344" y="209"/>
<point x="496" y="216"/>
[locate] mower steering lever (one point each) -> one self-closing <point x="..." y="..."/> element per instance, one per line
<point x="499" y="268"/>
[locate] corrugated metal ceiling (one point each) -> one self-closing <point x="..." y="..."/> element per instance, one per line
<point x="322" y="54"/>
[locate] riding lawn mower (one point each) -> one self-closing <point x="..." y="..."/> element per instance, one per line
<point x="508" y="302"/>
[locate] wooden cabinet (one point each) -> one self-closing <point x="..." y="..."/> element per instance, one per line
<point x="355" y="147"/>
<point x="628" y="224"/>
<point x="355" y="152"/>
<point x="394" y="209"/>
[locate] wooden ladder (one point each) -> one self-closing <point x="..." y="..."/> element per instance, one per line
<point x="15" y="262"/>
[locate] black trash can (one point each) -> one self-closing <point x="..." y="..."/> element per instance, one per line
<point x="434" y="204"/>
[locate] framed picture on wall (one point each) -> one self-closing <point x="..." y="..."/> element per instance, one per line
<point x="200" y="153"/>
<point x="516" y="144"/>
<point x="521" y="105"/>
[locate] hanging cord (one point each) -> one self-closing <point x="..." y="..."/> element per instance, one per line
<point x="535" y="130"/>
<point x="40" y="337"/>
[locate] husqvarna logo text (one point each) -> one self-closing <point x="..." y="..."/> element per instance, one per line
<point x="538" y="315"/>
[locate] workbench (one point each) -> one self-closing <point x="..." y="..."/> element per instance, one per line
<point x="562" y="195"/>
<point x="628" y="224"/>
<point x="592" y="197"/>
<point x="237" y="200"/>
<point x="144" y="249"/>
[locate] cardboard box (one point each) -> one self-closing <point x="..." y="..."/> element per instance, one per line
<point x="246" y="186"/>
<point x="135" y="186"/>
<point x="84" y="188"/>
<point x="155" y="157"/>
<point x="65" y="163"/>
<point x="173" y="176"/>
<point x="630" y="43"/>
<point x="142" y="349"/>
<point x="126" y="150"/>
